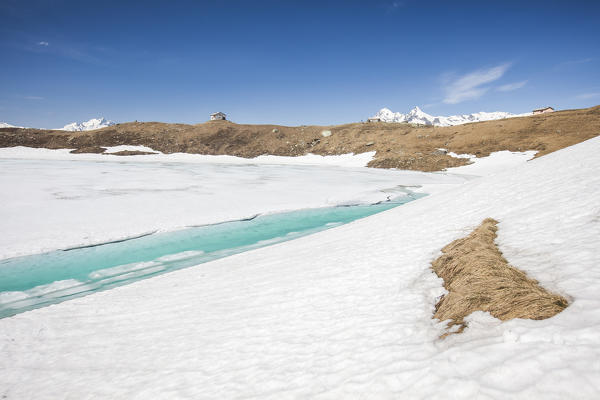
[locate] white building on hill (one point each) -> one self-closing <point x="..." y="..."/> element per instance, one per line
<point x="543" y="110"/>
<point x="218" y="116"/>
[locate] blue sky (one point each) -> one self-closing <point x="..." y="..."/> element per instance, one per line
<point x="292" y="62"/>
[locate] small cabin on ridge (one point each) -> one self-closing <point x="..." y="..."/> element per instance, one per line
<point x="218" y="116"/>
<point x="543" y="110"/>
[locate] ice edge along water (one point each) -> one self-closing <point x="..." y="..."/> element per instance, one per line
<point x="39" y="280"/>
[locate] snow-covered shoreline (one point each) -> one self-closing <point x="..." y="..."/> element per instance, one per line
<point x="28" y="153"/>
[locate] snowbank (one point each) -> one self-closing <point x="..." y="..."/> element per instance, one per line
<point x="345" y="313"/>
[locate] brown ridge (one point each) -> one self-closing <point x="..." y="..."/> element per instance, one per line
<point x="397" y="145"/>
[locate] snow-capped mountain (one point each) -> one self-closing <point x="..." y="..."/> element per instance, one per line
<point x="94" y="123"/>
<point x="418" y="116"/>
<point x="5" y="125"/>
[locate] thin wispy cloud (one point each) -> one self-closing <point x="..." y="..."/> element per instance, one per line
<point x="78" y="51"/>
<point x="571" y="63"/>
<point x="511" y="86"/>
<point x="471" y="86"/>
<point x="33" y="98"/>
<point x="585" y="96"/>
<point x="75" y="52"/>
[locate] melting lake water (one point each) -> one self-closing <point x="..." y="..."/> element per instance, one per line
<point x="34" y="281"/>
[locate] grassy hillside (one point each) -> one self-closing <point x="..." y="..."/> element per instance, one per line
<point x="398" y="145"/>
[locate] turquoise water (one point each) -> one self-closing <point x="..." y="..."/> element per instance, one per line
<point x="38" y="280"/>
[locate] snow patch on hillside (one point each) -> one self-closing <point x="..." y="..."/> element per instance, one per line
<point x="494" y="163"/>
<point x="418" y="116"/>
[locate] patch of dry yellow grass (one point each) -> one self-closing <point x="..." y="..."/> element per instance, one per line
<point x="478" y="278"/>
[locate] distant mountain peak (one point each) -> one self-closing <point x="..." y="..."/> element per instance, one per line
<point x="94" y="123"/>
<point x="418" y="116"/>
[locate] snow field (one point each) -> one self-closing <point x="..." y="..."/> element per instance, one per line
<point x="344" y="313"/>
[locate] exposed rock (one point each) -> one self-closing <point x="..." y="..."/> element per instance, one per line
<point x="89" y="149"/>
<point x="131" y="153"/>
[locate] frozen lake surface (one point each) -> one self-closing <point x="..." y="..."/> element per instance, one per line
<point x="55" y="200"/>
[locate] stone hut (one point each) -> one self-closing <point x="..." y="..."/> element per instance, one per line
<point x="218" y="116"/>
<point x="543" y="110"/>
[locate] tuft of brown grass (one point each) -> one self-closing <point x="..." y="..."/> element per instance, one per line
<point x="478" y="278"/>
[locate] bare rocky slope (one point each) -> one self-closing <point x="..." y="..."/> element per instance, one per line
<point x="398" y="145"/>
